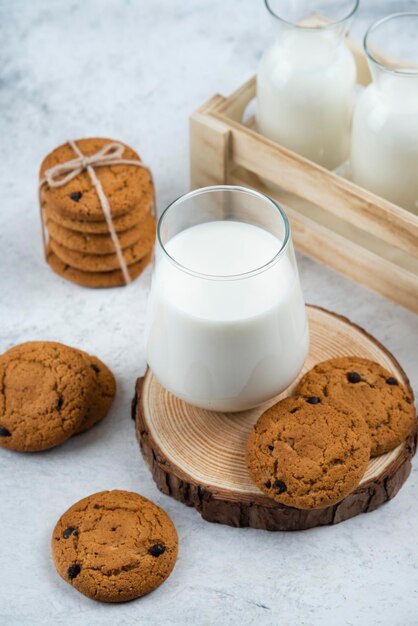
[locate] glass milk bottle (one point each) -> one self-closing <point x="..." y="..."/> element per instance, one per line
<point x="306" y="80"/>
<point x="384" y="145"/>
<point x="226" y="323"/>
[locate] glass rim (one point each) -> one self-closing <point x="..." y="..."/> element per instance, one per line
<point x="232" y="188"/>
<point x="328" y="24"/>
<point x="371" y="57"/>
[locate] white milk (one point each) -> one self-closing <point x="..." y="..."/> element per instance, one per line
<point x="305" y="93"/>
<point x="225" y="344"/>
<point x="384" y="148"/>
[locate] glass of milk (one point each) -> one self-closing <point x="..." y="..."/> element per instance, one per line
<point x="384" y="144"/>
<point x="226" y="323"/>
<point x="306" y="80"/>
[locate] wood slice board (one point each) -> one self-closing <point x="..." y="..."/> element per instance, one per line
<point x="197" y="456"/>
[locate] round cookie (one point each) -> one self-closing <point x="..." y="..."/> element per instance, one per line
<point x="104" y="391"/>
<point x="108" y="262"/>
<point x="114" y="546"/>
<point x="120" y="224"/>
<point x="125" y="186"/>
<point x="96" y="280"/>
<point x="367" y="387"/>
<point x="92" y="244"/>
<point x="307" y="454"/>
<point x="45" y="394"/>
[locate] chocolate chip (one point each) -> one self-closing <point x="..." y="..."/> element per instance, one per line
<point x="97" y="506"/>
<point x="294" y="410"/>
<point x="113" y="529"/>
<point x="313" y="400"/>
<point x="73" y="571"/>
<point x="280" y="486"/>
<point x="391" y="381"/>
<point x="4" y="432"/>
<point x="95" y="367"/>
<point x="268" y="484"/>
<point x="353" y="377"/>
<point x="59" y="402"/>
<point x="156" y="550"/>
<point x="271" y="448"/>
<point x="76" y="196"/>
<point x="69" y="531"/>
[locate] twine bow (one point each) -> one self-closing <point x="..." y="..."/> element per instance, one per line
<point x="63" y="173"/>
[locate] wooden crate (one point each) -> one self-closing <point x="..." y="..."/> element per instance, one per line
<point x="336" y="222"/>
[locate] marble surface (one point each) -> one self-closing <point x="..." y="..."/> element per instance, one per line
<point x="134" y="70"/>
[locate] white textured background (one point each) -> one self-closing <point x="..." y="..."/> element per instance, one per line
<point x="134" y="70"/>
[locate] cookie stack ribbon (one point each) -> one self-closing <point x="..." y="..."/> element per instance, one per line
<point x="75" y="248"/>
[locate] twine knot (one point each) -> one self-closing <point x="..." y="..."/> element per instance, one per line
<point x="61" y="174"/>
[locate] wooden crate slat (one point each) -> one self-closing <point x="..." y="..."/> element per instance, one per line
<point x="209" y="147"/>
<point x="312" y="182"/>
<point x="234" y="106"/>
<point x="339" y="251"/>
<point x="333" y="224"/>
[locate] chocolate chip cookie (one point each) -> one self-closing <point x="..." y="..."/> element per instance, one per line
<point x="108" y="262"/>
<point x="104" y="391"/>
<point x="307" y="454"/>
<point x="125" y="186"/>
<point x="92" y="244"/>
<point x="114" y="546"/>
<point x="46" y="391"/>
<point x="95" y="279"/>
<point x="370" y="389"/>
<point x="120" y="224"/>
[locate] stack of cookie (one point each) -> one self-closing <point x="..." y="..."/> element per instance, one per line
<point x="80" y="247"/>
<point x="49" y="393"/>
<point x="311" y="450"/>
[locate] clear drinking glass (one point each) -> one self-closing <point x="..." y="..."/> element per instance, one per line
<point x="384" y="144"/>
<point x="226" y="322"/>
<point x="306" y="80"/>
